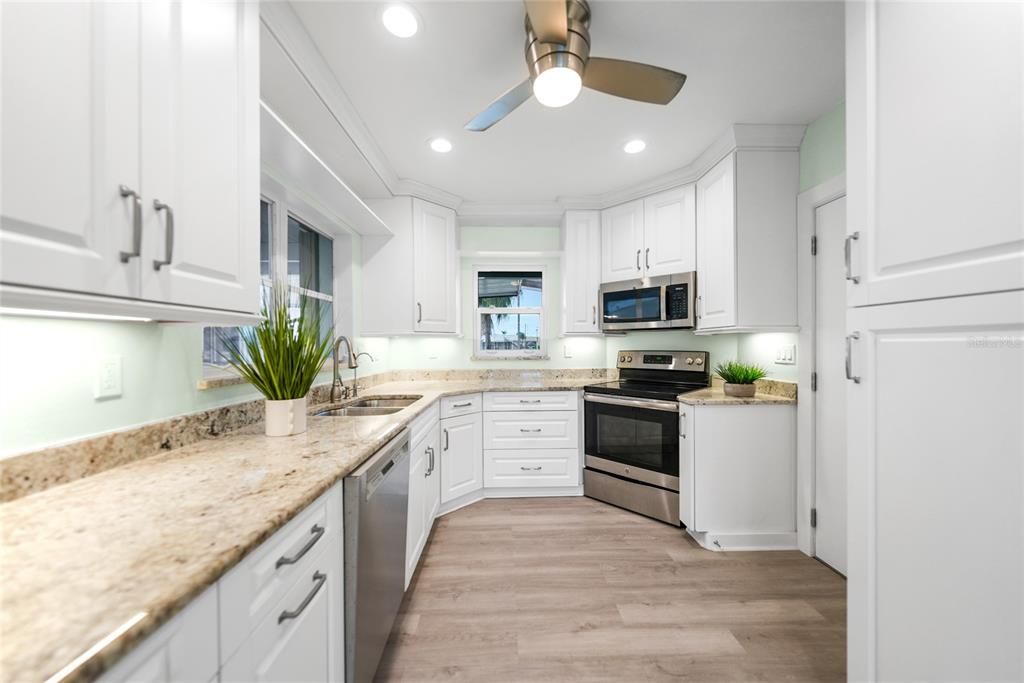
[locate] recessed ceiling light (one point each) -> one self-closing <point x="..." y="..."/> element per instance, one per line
<point x="442" y="145"/>
<point x="634" y="147"/>
<point x="400" y="20"/>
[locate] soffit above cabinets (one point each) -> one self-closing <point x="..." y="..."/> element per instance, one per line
<point x="764" y="62"/>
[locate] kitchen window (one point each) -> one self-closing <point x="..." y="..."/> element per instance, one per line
<point x="297" y="254"/>
<point x="509" y="313"/>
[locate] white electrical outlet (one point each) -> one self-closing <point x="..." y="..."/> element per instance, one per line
<point x="785" y="354"/>
<point x="108" y="377"/>
<point x="566" y="349"/>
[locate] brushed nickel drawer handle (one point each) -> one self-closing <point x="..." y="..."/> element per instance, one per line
<point x="317" y="532"/>
<point x="849" y="360"/>
<point x="419" y="312"/>
<point x="523" y="400"/>
<point x="126" y="191"/>
<point x="531" y="431"/>
<point x="169" y="239"/>
<point x="445" y="439"/>
<point x="647" y="259"/>
<point x="467" y="404"/>
<point x="638" y="259"/>
<point x="531" y="469"/>
<point x="855" y="279"/>
<point x="319" y="579"/>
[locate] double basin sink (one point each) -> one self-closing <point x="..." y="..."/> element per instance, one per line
<point x="365" y="407"/>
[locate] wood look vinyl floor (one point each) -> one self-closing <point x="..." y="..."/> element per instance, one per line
<point x="570" y="589"/>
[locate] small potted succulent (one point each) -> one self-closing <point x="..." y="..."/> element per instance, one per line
<point x="281" y="357"/>
<point x="739" y="378"/>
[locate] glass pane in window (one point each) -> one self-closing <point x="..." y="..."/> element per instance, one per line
<point x="509" y="332"/>
<point x="310" y="258"/>
<point x="508" y="289"/>
<point x="266" y="220"/>
<point x="321" y="309"/>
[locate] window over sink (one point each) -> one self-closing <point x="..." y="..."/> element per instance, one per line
<point x="509" y="313"/>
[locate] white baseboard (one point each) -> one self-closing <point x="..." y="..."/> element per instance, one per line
<point x="771" y="540"/>
<point x="512" y="492"/>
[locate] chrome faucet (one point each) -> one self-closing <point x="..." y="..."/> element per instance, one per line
<point x="355" y="372"/>
<point x="338" y="390"/>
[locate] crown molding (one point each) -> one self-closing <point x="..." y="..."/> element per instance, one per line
<point x="414" y="188"/>
<point x="520" y="214"/>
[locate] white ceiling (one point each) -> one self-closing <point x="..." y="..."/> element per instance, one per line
<point x="746" y="62"/>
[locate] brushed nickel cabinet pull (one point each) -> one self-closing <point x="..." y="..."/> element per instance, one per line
<point x="467" y="404"/>
<point x="849" y="361"/>
<point x="647" y="259"/>
<point x="446" y="439"/>
<point x="319" y="579"/>
<point x="638" y="259"/>
<point x="523" y="400"/>
<point x="136" y="223"/>
<point x="531" y="431"/>
<point x="419" y="312"/>
<point x="169" y="239"/>
<point x="855" y="279"/>
<point x="530" y="469"/>
<point x="682" y="425"/>
<point x="317" y="532"/>
<point x="594" y="314"/>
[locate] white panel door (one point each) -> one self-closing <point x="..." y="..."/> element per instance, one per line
<point x="830" y="397"/>
<point x="581" y="271"/>
<point x="70" y="139"/>
<point x="935" y="443"/>
<point x="935" y="175"/>
<point x="200" y="148"/>
<point x="670" y="232"/>
<point x="432" y="495"/>
<point x="419" y="462"/>
<point x="435" y="267"/>
<point x="716" y="246"/>
<point x="622" y="242"/>
<point x="461" y="457"/>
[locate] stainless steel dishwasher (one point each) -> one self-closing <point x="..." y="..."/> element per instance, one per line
<point x="376" y="509"/>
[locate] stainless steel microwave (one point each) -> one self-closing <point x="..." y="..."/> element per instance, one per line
<point x="658" y="302"/>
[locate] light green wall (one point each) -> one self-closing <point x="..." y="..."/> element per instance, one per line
<point x="48" y="368"/>
<point x="760" y="349"/>
<point x="823" y="151"/>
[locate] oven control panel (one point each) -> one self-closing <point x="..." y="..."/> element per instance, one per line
<point x="663" y="360"/>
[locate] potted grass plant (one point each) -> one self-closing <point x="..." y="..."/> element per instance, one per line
<point x="739" y="378"/>
<point x="281" y="357"/>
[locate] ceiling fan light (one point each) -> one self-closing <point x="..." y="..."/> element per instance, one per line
<point x="557" y="86"/>
<point x="400" y="21"/>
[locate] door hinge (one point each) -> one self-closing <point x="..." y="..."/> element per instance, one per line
<point x="814" y="245"/>
<point x="814" y="381"/>
<point x="814" y="518"/>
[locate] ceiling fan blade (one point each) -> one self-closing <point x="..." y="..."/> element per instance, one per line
<point x="548" y="19"/>
<point x="502" y="107"/>
<point x="632" y="80"/>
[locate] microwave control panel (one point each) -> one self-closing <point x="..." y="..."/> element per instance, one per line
<point x="677" y="302"/>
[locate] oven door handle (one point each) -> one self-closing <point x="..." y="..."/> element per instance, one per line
<point x="645" y="403"/>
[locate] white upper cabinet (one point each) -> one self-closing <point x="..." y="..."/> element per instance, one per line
<point x="435" y="267"/>
<point x="934" y="175"/>
<point x="581" y="271"/>
<point x="622" y="242"/>
<point x="410" y="279"/>
<point x="746" y="242"/>
<point x="200" y="153"/>
<point x="670" y="225"/>
<point x="716" y="237"/>
<point x="70" y="141"/>
<point x="130" y="139"/>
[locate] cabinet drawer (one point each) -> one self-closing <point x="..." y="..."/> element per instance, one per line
<point x="453" y="406"/>
<point x="421" y="425"/>
<point x="531" y="400"/>
<point x="518" y="430"/>
<point x="251" y="590"/>
<point x="541" y="467"/>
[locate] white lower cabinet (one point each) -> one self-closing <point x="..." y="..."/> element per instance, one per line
<point x="737" y="475"/>
<point x="424" y="496"/>
<point x="531" y="429"/>
<point x="461" y="456"/>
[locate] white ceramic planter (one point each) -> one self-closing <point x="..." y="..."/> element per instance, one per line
<point x="285" y="418"/>
<point x="740" y="390"/>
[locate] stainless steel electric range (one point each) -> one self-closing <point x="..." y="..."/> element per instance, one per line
<point x="631" y="431"/>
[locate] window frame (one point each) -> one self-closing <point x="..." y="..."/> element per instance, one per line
<point x="541" y="352"/>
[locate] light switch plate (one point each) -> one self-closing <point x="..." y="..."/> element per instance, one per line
<point x="108" y="377"/>
<point x="785" y="354"/>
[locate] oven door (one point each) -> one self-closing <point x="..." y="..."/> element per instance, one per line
<point x="633" y="437"/>
<point x="632" y="309"/>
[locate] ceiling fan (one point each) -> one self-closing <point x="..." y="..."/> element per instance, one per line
<point x="558" y="56"/>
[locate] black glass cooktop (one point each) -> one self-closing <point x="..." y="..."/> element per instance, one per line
<point x="665" y="391"/>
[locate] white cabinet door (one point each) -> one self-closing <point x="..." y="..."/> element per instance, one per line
<point x="419" y="462"/>
<point x="687" y="430"/>
<point x="670" y="232"/>
<point x="622" y="242"/>
<point x="925" y="466"/>
<point x="70" y="139"/>
<point x="200" y="150"/>
<point x="934" y="181"/>
<point x="461" y="457"/>
<point x="435" y="267"/>
<point x="716" y="246"/>
<point x="581" y="271"/>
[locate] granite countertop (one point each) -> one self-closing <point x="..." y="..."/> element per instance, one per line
<point x="715" y="396"/>
<point x="80" y="559"/>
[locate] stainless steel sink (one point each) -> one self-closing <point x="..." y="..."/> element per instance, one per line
<point x="374" y="405"/>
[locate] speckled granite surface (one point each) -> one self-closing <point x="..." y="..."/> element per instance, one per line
<point x="768" y="392"/>
<point x="79" y="560"/>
